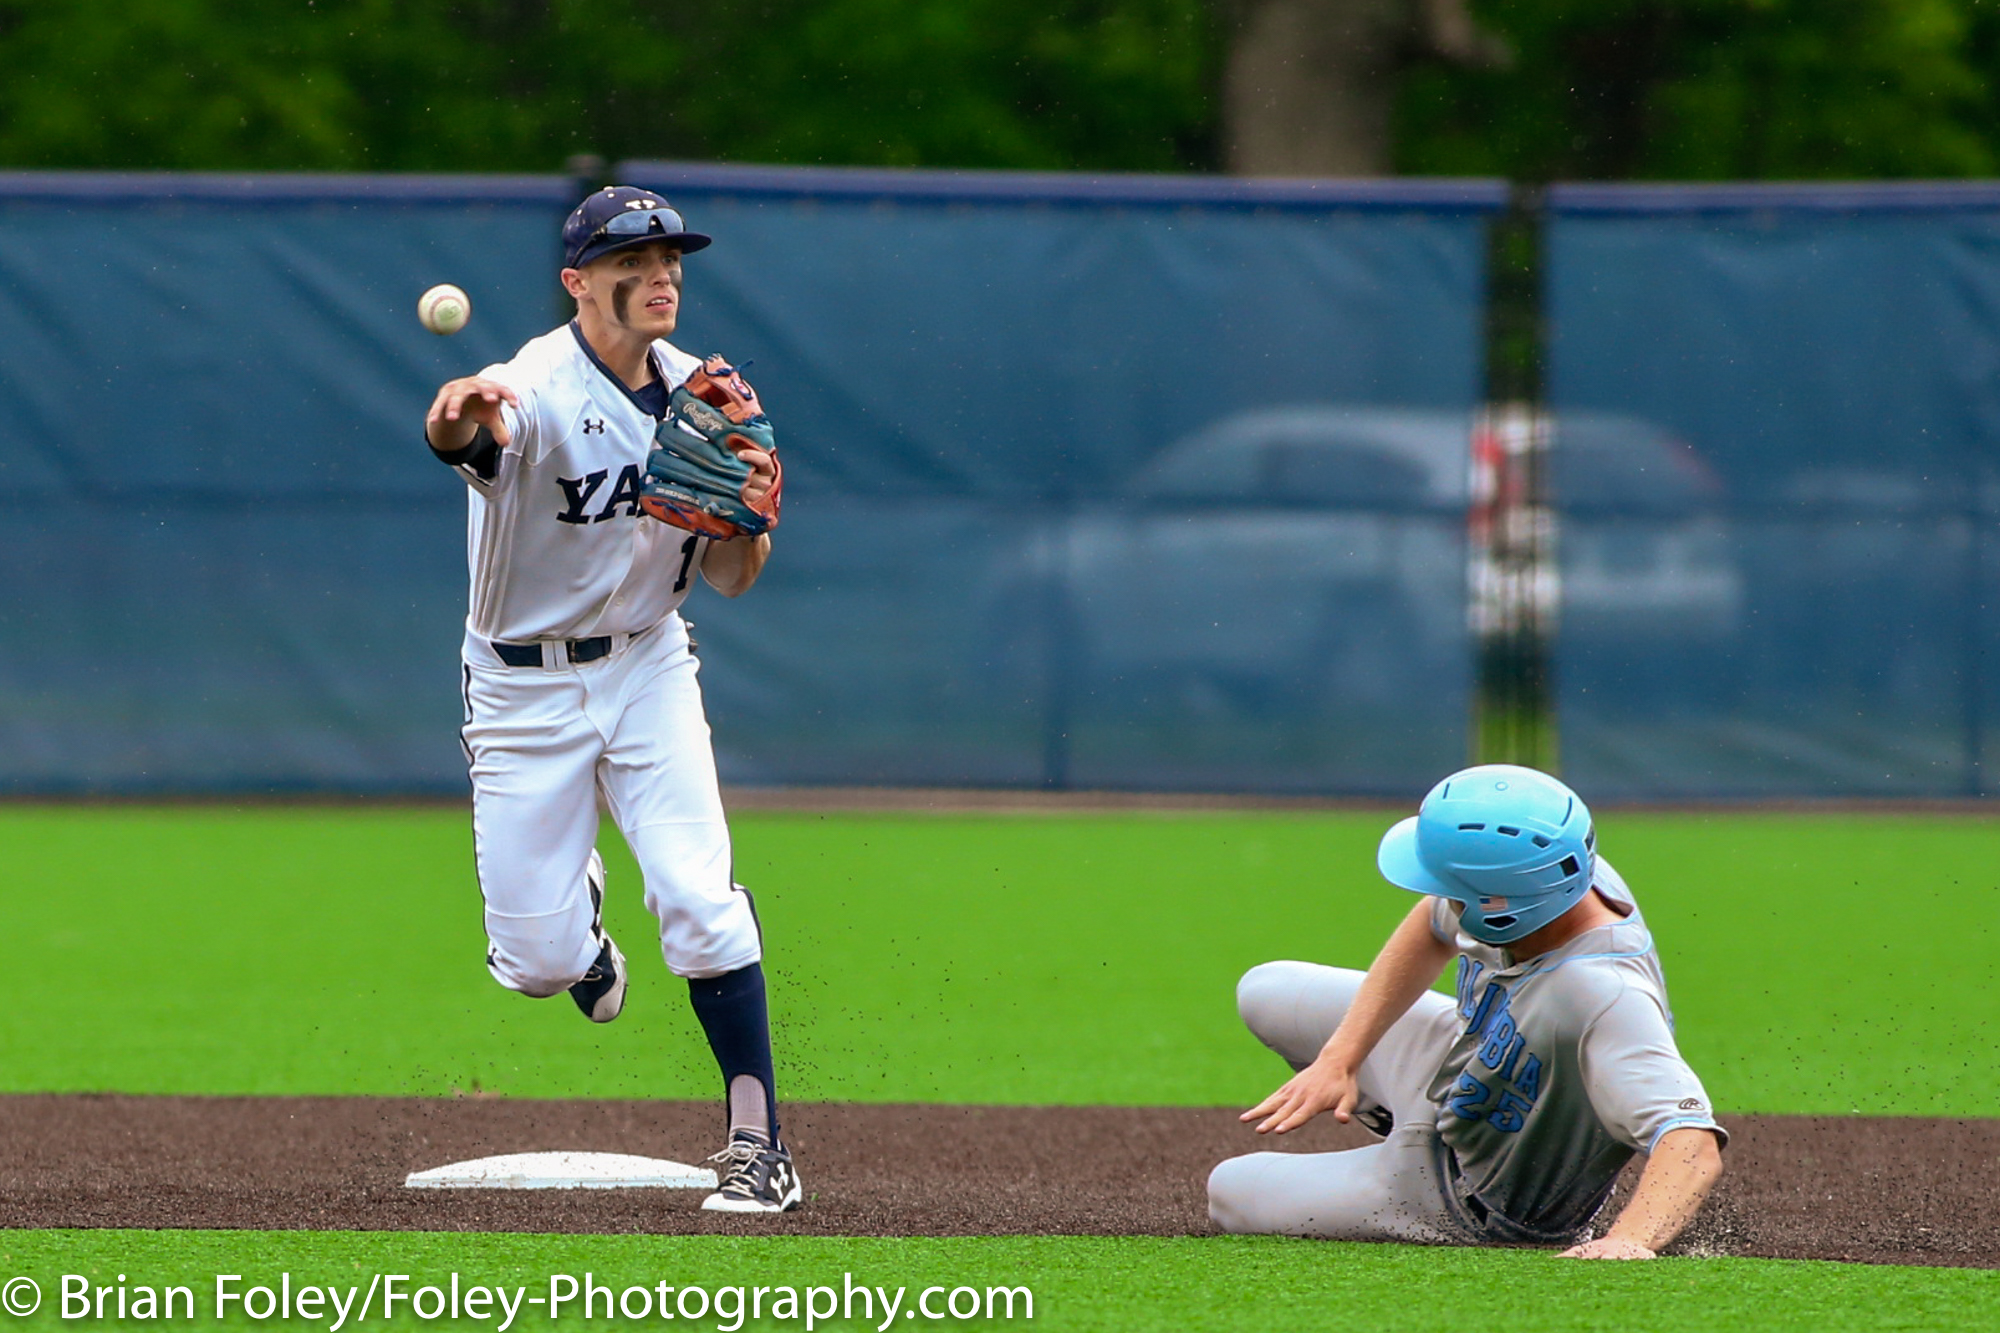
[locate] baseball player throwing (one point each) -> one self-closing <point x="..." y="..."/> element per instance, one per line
<point x="1508" y="1112"/>
<point x="578" y="675"/>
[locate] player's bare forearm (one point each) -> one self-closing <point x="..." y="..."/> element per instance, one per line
<point x="1684" y="1167"/>
<point x="732" y="566"/>
<point x="1403" y="970"/>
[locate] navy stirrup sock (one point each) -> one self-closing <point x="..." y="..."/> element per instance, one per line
<point x="736" y="1018"/>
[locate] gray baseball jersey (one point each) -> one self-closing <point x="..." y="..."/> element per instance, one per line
<point x="1564" y="1067"/>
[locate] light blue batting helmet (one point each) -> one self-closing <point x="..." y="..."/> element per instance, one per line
<point x="1513" y="845"/>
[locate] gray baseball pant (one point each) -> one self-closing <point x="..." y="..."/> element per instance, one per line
<point x="1391" y="1190"/>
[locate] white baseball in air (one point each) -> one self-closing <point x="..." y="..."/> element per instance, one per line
<point x="444" y="309"/>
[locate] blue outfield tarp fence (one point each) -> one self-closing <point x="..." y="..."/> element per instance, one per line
<point x="1829" y="359"/>
<point x="1148" y="483"/>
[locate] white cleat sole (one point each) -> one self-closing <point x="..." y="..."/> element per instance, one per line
<point x="717" y="1203"/>
<point x="722" y="1203"/>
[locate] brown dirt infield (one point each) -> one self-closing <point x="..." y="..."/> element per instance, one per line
<point x="1914" y="1191"/>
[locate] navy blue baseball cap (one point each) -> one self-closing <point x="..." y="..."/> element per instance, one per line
<point x="620" y="216"/>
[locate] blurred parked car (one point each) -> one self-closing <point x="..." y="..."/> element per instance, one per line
<point x="1645" y="547"/>
<point x="1311" y="553"/>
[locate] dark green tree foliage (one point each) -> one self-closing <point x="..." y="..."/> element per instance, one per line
<point x="1108" y="84"/>
<point x="1716" y="89"/>
<point x="1597" y="89"/>
<point x="519" y="85"/>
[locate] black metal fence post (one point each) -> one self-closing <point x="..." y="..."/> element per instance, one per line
<point x="1513" y="585"/>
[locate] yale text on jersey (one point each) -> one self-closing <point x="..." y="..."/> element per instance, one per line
<point x="579" y="492"/>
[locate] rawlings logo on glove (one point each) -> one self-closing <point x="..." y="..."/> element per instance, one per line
<point x="714" y="467"/>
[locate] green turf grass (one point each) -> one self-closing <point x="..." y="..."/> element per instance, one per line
<point x="1253" y="1284"/>
<point x="1818" y="963"/>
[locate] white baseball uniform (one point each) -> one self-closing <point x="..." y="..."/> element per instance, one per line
<point x="571" y="579"/>
<point x="1509" y="1112"/>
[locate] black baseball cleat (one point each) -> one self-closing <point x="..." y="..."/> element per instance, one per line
<point x="601" y="993"/>
<point x="756" y="1178"/>
<point x="1375" y="1119"/>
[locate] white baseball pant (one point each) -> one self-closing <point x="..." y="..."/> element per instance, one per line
<point x="1391" y="1190"/>
<point x="543" y="742"/>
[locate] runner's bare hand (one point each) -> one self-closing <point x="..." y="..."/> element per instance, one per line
<point x="1608" y="1248"/>
<point x="1320" y="1086"/>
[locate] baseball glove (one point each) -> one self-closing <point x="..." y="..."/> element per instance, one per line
<point x="694" y="476"/>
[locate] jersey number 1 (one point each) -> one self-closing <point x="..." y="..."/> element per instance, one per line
<point x="687" y="562"/>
